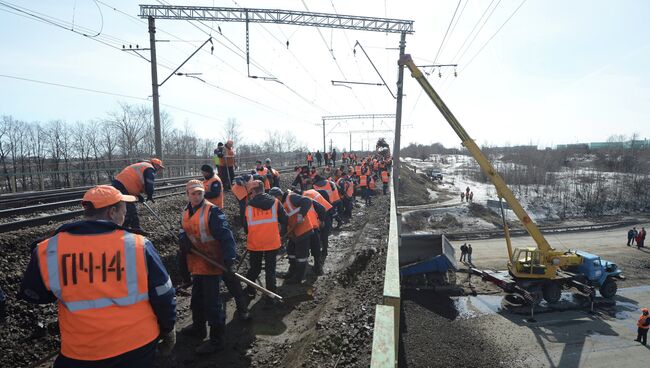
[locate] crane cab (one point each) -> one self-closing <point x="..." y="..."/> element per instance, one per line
<point x="530" y="263"/>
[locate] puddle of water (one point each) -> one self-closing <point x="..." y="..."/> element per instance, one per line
<point x="480" y="305"/>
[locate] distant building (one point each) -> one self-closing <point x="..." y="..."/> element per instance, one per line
<point x="638" y="144"/>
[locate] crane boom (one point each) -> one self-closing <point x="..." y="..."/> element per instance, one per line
<point x="502" y="189"/>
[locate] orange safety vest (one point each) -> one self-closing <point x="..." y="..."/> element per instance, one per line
<point x="333" y="194"/>
<point x="384" y="177"/>
<point x="375" y="165"/>
<point x="207" y="184"/>
<point x="363" y="180"/>
<point x="357" y="170"/>
<point x="310" y="158"/>
<point x="292" y="213"/>
<point x="371" y="183"/>
<point x="198" y="231"/>
<point x="315" y="196"/>
<point x="641" y="322"/>
<point x="239" y="191"/>
<point x="229" y="155"/>
<point x="100" y="282"/>
<point x="263" y="172"/>
<point x="132" y="177"/>
<point x="263" y="232"/>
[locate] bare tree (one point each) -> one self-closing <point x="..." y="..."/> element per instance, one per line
<point x="233" y="131"/>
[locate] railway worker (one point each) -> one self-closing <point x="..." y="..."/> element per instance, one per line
<point x="319" y="158"/>
<point x="462" y="196"/>
<point x="333" y="196"/>
<point x="310" y="159"/>
<point x="469" y="254"/>
<point x="643" y="324"/>
<point x="384" y="180"/>
<point x="363" y="184"/>
<point x="206" y="229"/>
<point x="265" y="173"/>
<point x="216" y="159"/>
<point x="346" y="186"/>
<point x="324" y="211"/>
<point x="630" y="236"/>
<point x="266" y="222"/>
<point x="229" y="156"/>
<point x="274" y="172"/>
<point x="241" y="193"/>
<point x="212" y="186"/>
<point x="135" y="180"/>
<point x="300" y="230"/>
<point x="114" y="296"/>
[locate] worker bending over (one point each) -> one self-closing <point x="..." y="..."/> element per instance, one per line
<point x="114" y="297"/>
<point x="135" y="180"/>
<point x="266" y="222"/>
<point x="300" y="232"/>
<point x="206" y="229"/>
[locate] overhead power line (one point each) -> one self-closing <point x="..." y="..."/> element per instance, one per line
<point x="493" y="35"/>
<point x="91" y="90"/>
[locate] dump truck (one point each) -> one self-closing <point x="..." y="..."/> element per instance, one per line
<point x="533" y="272"/>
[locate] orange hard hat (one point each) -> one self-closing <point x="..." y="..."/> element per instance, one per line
<point x="644" y="310"/>
<point x="156" y="161"/>
<point x="105" y="195"/>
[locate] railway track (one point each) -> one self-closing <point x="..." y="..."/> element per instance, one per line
<point x="77" y="194"/>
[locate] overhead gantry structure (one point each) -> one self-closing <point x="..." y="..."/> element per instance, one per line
<point x="275" y="16"/>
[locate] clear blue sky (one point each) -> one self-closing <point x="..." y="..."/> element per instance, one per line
<point x="557" y="72"/>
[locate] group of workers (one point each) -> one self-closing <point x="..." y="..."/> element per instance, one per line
<point x="116" y="302"/>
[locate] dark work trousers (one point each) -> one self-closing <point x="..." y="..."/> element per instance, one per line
<point x="223" y="175"/>
<point x="140" y="357"/>
<point x="298" y="249"/>
<point x="255" y="260"/>
<point x="131" y="219"/>
<point x="206" y="303"/>
<point x="366" y="194"/>
<point x="347" y="208"/>
<point x="231" y="173"/>
<point x="385" y="188"/>
<point x="642" y="335"/>
<point x="325" y="234"/>
<point x="314" y="245"/>
<point x="309" y="163"/>
<point x="242" y="210"/>
<point x="235" y="289"/>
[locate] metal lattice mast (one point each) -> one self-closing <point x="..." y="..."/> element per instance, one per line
<point x="277" y="16"/>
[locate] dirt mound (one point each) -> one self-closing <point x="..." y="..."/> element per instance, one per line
<point x="413" y="187"/>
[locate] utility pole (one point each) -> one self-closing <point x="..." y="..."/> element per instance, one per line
<point x="330" y="144"/>
<point x="350" y="141"/>
<point x="324" y="147"/>
<point x="398" y="116"/>
<point x="154" y="87"/>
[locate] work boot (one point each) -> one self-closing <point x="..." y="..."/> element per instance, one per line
<point x="290" y="272"/>
<point x="299" y="274"/>
<point x="339" y="222"/>
<point x="318" y="268"/>
<point x="195" y="330"/>
<point x="242" y="308"/>
<point x="215" y="343"/>
<point x="250" y="292"/>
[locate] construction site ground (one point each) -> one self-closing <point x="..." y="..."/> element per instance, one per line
<point x="329" y="328"/>
<point x="475" y="329"/>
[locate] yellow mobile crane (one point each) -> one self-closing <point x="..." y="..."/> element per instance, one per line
<point x="541" y="270"/>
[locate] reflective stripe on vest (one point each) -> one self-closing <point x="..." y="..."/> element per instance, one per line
<point x="196" y="228"/>
<point x="263" y="233"/>
<point x="273" y="218"/>
<point x="132" y="177"/>
<point x="292" y="210"/>
<point x="133" y="296"/>
<point x="101" y="283"/>
<point x="207" y="184"/>
<point x="314" y="195"/>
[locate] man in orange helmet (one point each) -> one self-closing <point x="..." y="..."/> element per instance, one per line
<point x="643" y="324"/>
<point x="135" y="180"/>
<point x="114" y="296"/>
